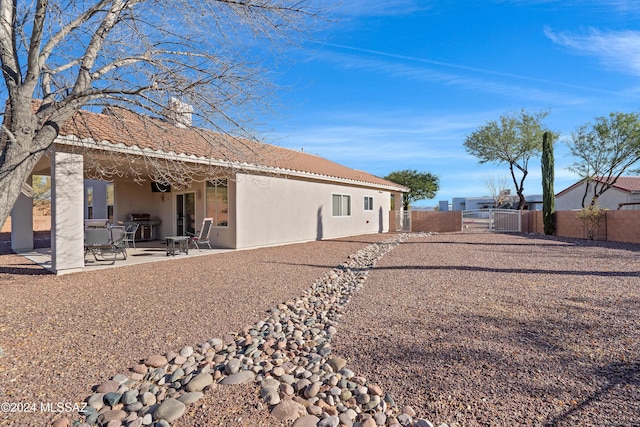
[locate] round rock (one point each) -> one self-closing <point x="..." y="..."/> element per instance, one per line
<point x="330" y="421"/>
<point x="199" y="382"/>
<point x="239" y="378"/>
<point x="170" y="410"/>
<point x="337" y="363"/>
<point x="306" y="421"/>
<point x="108" y="386"/>
<point x="186" y="351"/>
<point x="233" y="366"/>
<point x="112" y="415"/>
<point x="156" y="361"/>
<point x="270" y="395"/>
<point x="288" y="410"/>
<point x="191" y="397"/>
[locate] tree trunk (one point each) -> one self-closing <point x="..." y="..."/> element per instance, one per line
<point x="21" y="148"/>
<point x="519" y="185"/>
<point x="12" y="179"/>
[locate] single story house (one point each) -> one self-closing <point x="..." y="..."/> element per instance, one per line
<point x="625" y="190"/>
<point x="532" y="202"/>
<point x="257" y="194"/>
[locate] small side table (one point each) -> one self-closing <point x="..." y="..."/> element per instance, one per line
<point x="183" y="245"/>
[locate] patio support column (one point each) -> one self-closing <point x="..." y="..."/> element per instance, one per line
<point x="67" y="212"/>
<point x="22" y="221"/>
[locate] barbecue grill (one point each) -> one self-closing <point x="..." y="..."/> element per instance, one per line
<point x="146" y="225"/>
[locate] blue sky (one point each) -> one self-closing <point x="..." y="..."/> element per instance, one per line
<point x="398" y="84"/>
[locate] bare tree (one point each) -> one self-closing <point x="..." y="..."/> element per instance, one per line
<point x="499" y="190"/>
<point x="72" y="54"/>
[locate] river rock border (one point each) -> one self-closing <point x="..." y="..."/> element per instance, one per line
<point x="287" y="354"/>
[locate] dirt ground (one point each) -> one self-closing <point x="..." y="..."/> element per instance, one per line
<point x="468" y="329"/>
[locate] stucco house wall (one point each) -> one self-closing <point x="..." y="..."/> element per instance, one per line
<point x="571" y="198"/>
<point x="274" y="210"/>
<point x="269" y="210"/>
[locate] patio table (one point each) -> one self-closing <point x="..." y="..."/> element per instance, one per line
<point x="182" y="245"/>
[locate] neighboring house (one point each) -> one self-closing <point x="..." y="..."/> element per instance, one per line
<point x="257" y="194"/>
<point x="625" y="190"/>
<point x="533" y="202"/>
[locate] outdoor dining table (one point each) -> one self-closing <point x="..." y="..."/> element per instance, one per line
<point x="182" y="245"/>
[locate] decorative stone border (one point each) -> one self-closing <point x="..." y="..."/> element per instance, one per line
<point x="288" y="354"/>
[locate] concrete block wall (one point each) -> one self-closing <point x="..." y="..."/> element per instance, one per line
<point x="532" y="222"/>
<point x="568" y="225"/>
<point x="437" y="222"/>
<point x="616" y="226"/>
<point x="40" y="223"/>
<point x="623" y="226"/>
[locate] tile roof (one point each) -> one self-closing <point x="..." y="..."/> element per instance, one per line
<point x="117" y="127"/>
<point x="630" y="184"/>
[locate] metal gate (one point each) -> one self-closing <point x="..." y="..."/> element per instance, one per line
<point x="498" y="220"/>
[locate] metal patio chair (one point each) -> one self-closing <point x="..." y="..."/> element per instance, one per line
<point x="105" y="242"/>
<point x="202" y="236"/>
<point x="130" y="234"/>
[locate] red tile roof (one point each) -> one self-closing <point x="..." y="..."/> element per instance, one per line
<point x="630" y="184"/>
<point x="119" y="127"/>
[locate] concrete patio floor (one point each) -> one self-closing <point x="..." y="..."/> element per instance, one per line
<point x="144" y="252"/>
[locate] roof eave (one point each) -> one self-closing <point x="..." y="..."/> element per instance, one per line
<point x="72" y="140"/>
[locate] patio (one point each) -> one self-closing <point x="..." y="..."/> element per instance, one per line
<point x="144" y="252"/>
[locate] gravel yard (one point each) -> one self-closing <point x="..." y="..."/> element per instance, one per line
<point x="501" y="330"/>
<point x="63" y="335"/>
<point x="468" y="329"/>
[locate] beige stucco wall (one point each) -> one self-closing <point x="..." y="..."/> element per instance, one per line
<point x="264" y="210"/>
<point x="276" y="210"/>
<point x="133" y="198"/>
<point x="67" y="247"/>
<point x="572" y="199"/>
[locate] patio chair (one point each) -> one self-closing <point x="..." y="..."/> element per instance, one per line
<point x="103" y="242"/>
<point x="130" y="234"/>
<point x="202" y="236"/>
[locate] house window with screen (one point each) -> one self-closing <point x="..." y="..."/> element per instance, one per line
<point x="110" y="202"/>
<point x="368" y="203"/>
<point x="89" y="202"/>
<point x="218" y="202"/>
<point x="341" y="205"/>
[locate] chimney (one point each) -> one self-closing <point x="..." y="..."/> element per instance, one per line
<point x="178" y="113"/>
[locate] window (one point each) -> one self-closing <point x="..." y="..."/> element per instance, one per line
<point x="368" y="203"/>
<point x="341" y="205"/>
<point x="110" y="202"/>
<point x="89" y="202"/>
<point x="218" y="202"/>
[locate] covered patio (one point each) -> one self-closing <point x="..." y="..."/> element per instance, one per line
<point x="144" y="252"/>
<point x="256" y="194"/>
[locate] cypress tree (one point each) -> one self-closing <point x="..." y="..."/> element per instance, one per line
<point x="548" y="196"/>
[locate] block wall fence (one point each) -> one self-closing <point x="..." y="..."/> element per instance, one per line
<point x="616" y="226"/>
<point x="40" y="223"/>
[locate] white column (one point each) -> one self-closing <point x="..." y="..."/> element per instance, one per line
<point x="67" y="213"/>
<point x="22" y="223"/>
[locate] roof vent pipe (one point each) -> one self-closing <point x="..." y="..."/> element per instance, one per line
<point x="179" y="113"/>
